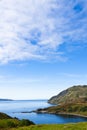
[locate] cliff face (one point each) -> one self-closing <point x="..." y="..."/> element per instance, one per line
<point x="75" y="94"/>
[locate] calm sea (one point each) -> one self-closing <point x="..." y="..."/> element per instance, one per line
<point x="21" y="108"/>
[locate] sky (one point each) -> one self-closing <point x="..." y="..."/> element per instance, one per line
<point x="43" y="47"/>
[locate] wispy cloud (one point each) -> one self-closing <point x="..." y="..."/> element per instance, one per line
<point x="70" y="75"/>
<point x="35" y="29"/>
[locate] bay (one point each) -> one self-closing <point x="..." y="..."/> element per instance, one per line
<point x="21" y="109"/>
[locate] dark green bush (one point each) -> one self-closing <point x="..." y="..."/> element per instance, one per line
<point x="83" y="108"/>
<point x="11" y="124"/>
<point x="25" y="122"/>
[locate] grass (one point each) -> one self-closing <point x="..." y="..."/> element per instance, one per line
<point x="11" y="123"/>
<point x="77" y="126"/>
<point x="7" y="122"/>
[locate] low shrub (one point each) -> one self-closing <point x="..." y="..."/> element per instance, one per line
<point x="25" y="122"/>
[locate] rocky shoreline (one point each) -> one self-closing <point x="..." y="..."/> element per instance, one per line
<point x="66" y="109"/>
<point x="72" y="114"/>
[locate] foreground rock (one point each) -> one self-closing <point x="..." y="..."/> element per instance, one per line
<point x="75" y="94"/>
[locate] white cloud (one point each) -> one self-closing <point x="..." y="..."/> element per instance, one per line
<point x="34" y="29"/>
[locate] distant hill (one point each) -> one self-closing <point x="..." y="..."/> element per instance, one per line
<point x="75" y="94"/>
<point x="5" y="99"/>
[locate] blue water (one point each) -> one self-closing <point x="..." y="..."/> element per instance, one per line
<point x="15" y="109"/>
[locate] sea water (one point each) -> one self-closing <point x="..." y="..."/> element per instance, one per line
<point x="21" y="109"/>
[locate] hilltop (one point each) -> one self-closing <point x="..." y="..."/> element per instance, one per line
<point x="75" y="94"/>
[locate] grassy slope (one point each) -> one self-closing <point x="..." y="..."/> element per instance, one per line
<point x="77" y="126"/>
<point x="4" y="116"/>
<point x="13" y="123"/>
<point x="75" y="94"/>
<point x="7" y="122"/>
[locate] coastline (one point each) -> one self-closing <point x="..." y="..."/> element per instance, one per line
<point x="72" y="114"/>
<point x="60" y="113"/>
<point x="79" y="110"/>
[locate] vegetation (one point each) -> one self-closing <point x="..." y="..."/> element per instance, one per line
<point x="73" y="109"/>
<point x="7" y="122"/>
<point x="71" y="101"/>
<point x="74" y="126"/>
<point x="75" y="94"/>
<point x="11" y="123"/>
<point x="4" y="116"/>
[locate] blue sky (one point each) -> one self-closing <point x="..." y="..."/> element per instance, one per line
<point x="43" y="47"/>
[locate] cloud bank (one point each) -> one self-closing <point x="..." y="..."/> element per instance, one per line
<point x="35" y="29"/>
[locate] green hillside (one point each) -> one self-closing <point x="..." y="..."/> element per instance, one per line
<point x="7" y="122"/>
<point x="70" y="101"/>
<point x="4" y="116"/>
<point x="75" y="94"/>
